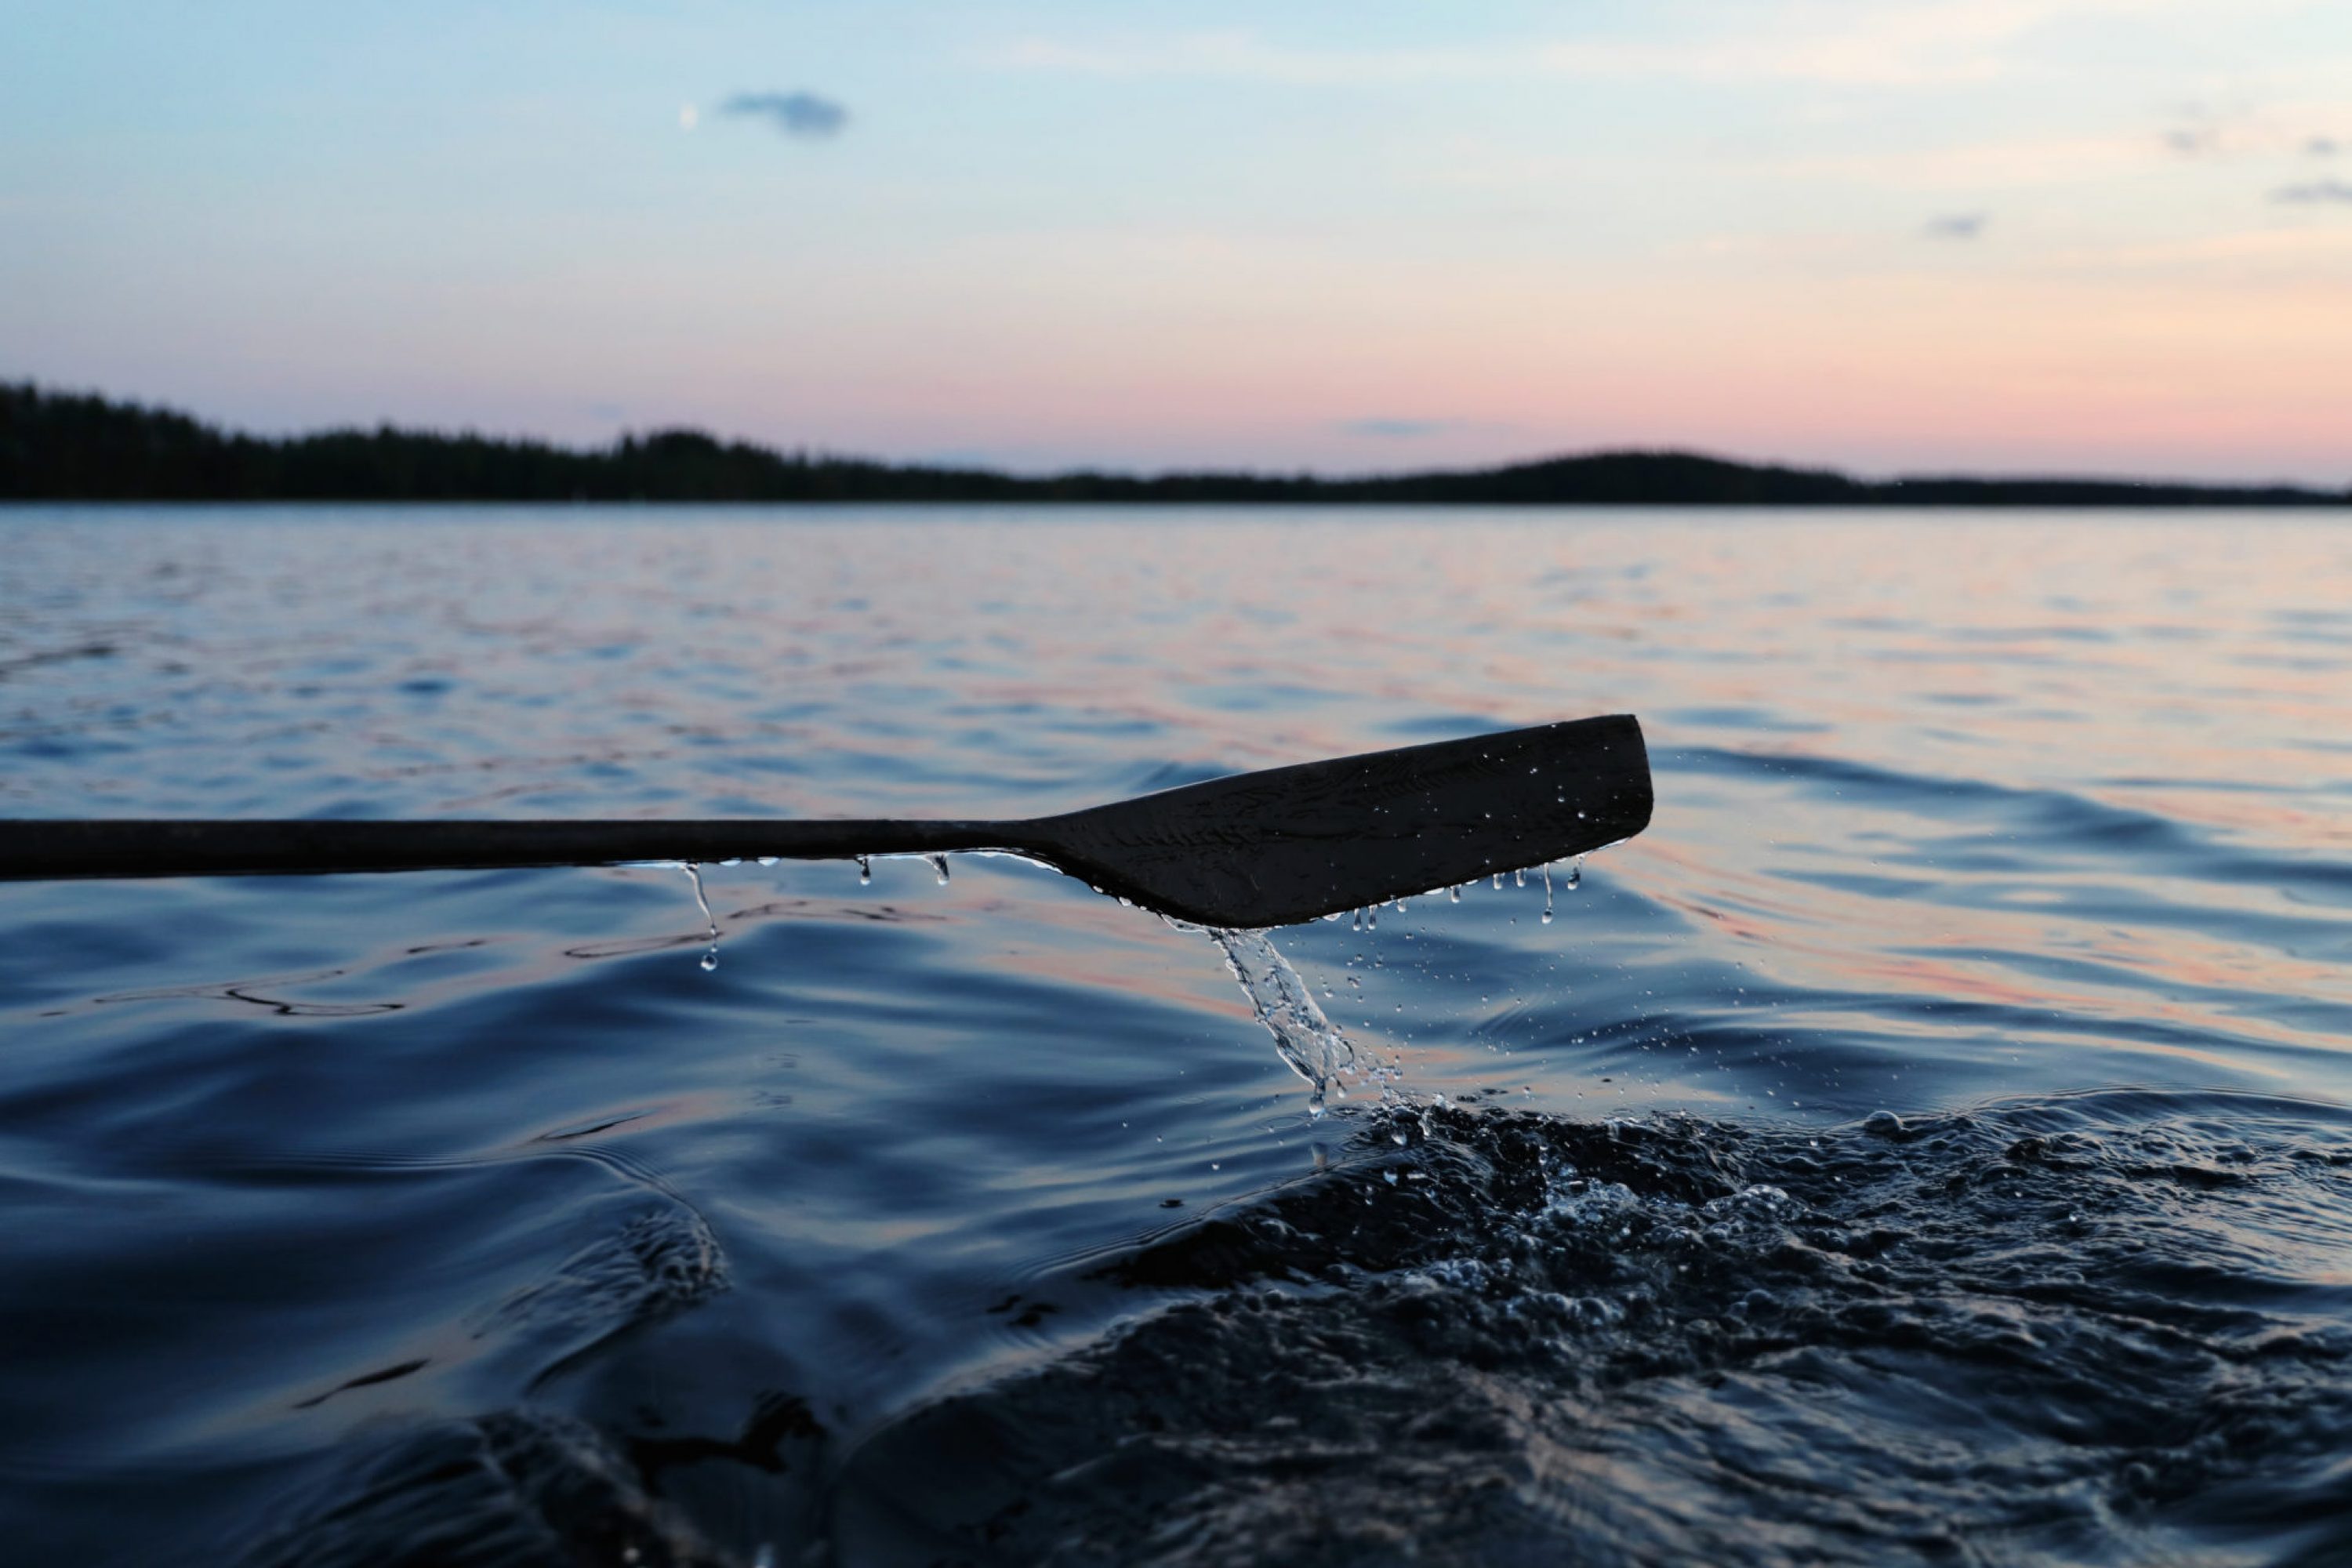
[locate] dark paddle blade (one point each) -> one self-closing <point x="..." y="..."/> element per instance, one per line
<point x="1258" y="849"/>
<point x="1294" y="844"/>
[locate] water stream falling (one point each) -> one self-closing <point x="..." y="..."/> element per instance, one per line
<point x="710" y="924"/>
<point x="1309" y="1044"/>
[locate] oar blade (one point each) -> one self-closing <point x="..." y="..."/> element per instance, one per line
<point x="1296" y="842"/>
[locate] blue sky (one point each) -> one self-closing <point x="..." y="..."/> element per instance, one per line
<point x="2111" y="235"/>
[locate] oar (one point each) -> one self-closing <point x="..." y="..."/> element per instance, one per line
<point x="1241" y="853"/>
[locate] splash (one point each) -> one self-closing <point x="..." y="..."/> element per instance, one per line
<point x="1536" y="1339"/>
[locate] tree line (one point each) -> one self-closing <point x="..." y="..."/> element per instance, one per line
<point x="71" y="446"/>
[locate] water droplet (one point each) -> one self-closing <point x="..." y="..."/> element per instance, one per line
<point x="1520" y="877"/>
<point x="767" y="859"/>
<point x="1576" y="873"/>
<point x="864" y="869"/>
<point x="1454" y="894"/>
<point x="939" y="864"/>
<point x="1498" y="881"/>
<point x="1546" y="876"/>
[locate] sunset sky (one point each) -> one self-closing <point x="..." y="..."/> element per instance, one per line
<point x="2109" y="236"/>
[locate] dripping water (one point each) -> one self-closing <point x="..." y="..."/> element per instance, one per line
<point x="1310" y="1046"/>
<point x="939" y="864"/>
<point x="693" y="870"/>
<point x="865" y="870"/>
<point x="1546" y="876"/>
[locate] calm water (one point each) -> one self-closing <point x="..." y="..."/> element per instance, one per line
<point x="1928" y="1142"/>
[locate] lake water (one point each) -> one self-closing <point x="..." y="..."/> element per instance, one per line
<point x="1928" y="1142"/>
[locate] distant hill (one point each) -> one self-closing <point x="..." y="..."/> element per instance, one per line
<point x="60" y="447"/>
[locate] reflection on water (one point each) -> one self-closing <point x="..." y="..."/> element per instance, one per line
<point x="465" y="1212"/>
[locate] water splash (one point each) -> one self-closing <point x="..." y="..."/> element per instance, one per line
<point x="1309" y="1045"/>
<point x="693" y="870"/>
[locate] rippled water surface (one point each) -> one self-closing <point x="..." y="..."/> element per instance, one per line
<point x="1927" y="1142"/>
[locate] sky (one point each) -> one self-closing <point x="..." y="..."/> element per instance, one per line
<point x="2044" y="235"/>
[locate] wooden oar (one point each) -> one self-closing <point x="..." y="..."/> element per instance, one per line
<point x="1241" y="853"/>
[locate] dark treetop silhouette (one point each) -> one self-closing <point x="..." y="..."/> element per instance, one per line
<point x="62" y="447"/>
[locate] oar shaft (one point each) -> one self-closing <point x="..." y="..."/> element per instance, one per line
<point x="34" y="849"/>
